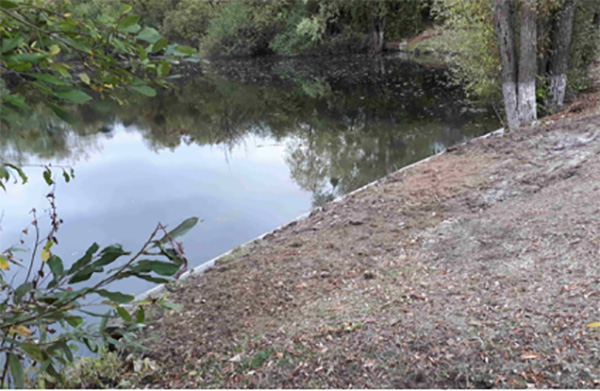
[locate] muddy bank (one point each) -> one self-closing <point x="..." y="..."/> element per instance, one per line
<point x="478" y="268"/>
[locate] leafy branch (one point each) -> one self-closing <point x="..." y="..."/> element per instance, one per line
<point x="32" y="311"/>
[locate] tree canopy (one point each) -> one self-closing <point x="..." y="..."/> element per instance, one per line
<point x="55" y="54"/>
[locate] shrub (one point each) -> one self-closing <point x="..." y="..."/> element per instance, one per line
<point x="46" y="314"/>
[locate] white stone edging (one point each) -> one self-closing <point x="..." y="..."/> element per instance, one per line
<point x="208" y="264"/>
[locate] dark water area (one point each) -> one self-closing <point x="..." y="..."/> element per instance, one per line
<point x="245" y="145"/>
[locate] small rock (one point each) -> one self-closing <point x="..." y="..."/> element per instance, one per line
<point x="369" y="275"/>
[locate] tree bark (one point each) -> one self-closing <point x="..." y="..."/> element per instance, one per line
<point x="378" y="33"/>
<point x="527" y="63"/>
<point x="505" y="29"/>
<point x="543" y="30"/>
<point x="559" y="59"/>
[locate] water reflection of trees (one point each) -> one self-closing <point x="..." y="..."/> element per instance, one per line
<point x="345" y="122"/>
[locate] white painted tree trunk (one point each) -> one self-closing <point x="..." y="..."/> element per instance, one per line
<point x="509" y="92"/>
<point x="559" y="60"/>
<point x="526" y="105"/>
<point x="504" y="12"/>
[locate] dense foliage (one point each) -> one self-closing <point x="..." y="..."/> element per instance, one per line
<point x="288" y="27"/>
<point x="58" y="54"/>
<point x="469" y="33"/>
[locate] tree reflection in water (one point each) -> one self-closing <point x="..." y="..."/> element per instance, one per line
<point x="345" y="121"/>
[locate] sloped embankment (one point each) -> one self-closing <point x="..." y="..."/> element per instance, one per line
<point x="477" y="268"/>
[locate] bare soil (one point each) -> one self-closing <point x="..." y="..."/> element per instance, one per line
<point x="479" y="268"/>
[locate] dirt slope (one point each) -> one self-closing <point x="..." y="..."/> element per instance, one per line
<point x="479" y="268"/>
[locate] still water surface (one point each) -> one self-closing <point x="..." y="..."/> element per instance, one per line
<point x="244" y="145"/>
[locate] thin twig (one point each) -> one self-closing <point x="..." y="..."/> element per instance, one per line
<point x="4" y="372"/>
<point x="103" y="282"/>
<point x="38" y="29"/>
<point x="37" y="242"/>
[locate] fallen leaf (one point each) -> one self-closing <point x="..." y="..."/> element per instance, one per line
<point x="528" y="356"/>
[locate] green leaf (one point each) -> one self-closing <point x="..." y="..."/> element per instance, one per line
<point x="142" y="54"/>
<point x="61" y="113"/>
<point x="158" y="267"/>
<point x="155" y="280"/>
<point x="74" y="96"/>
<point x="22" y="291"/>
<point x="26" y="58"/>
<point x="48" y="176"/>
<point x="74" y="321"/>
<point x="171" y="306"/>
<point x="123" y="314"/>
<point x="65" y="348"/>
<point x="149" y="34"/>
<point x="33" y="351"/>
<point x="117" y="297"/>
<point x="62" y="68"/>
<point x="19" y="66"/>
<point x="49" y="78"/>
<point x="140" y="316"/>
<point x="145" y="90"/>
<point x="187" y="50"/>
<point x="9" y="44"/>
<point x="181" y="229"/>
<point x="7" y="4"/>
<point x="66" y="176"/>
<point x="128" y="21"/>
<point x="114" y="342"/>
<point x="19" y="171"/>
<point x="84" y="78"/>
<point x="84" y="275"/>
<point x="4" y="174"/>
<point x="77" y="45"/>
<point x="164" y="68"/>
<point x="91" y="345"/>
<point x="17" y="101"/>
<point x="160" y="45"/>
<point x="104" y="321"/>
<point x="125" y="8"/>
<point x="56" y="266"/>
<point x="16" y="370"/>
<point x="110" y="254"/>
<point x="132" y="29"/>
<point x="52" y="372"/>
<point x="86" y="259"/>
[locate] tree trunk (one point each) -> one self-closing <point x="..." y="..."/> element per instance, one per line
<point x="504" y="12"/>
<point x="378" y="34"/>
<point x="527" y="63"/>
<point x="559" y="60"/>
<point x="543" y="30"/>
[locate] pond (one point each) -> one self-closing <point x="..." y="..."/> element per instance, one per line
<point x="245" y="145"/>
